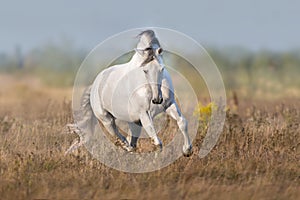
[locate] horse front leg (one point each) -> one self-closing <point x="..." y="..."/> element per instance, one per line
<point x="147" y="123"/>
<point x="175" y="113"/>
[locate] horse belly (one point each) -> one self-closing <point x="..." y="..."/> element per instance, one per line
<point x="124" y="102"/>
<point x="125" y="96"/>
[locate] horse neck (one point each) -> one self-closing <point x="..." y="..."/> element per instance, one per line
<point x="135" y="62"/>
<point x="133" y="65"/>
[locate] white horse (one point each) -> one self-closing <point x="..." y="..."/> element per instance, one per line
<point x="135" y="92"/>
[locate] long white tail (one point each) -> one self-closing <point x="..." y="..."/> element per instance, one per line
<point x="85" y="121"/>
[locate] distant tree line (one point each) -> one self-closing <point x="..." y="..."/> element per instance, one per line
<point x="57" y="64"/>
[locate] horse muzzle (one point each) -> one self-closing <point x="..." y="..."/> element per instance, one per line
<point x="159" y="100"/>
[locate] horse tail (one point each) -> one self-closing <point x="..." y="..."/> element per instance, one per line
<point x="85" y="104"/>
<point x="85" y="121"/>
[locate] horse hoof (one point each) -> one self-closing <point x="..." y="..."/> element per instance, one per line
<point x="157" y="143"/>
<point x="128" y="148"/>
<point x="158" y="147"/>
<point x="188" y="152"/>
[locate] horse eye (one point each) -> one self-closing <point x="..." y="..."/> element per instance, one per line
<point x="145" y="70"/>
<point x="160" y="51"/>
<point x="148" y="49"/>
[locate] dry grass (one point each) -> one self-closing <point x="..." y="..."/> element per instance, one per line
<point x="256" y="157"/>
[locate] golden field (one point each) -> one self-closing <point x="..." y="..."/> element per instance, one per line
<point x="257" y="155"/>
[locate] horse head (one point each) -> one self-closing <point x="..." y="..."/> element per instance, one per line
<point x="153" y="66"/>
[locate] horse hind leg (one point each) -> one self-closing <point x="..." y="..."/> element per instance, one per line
<point x="109" y="124"/>
<point x="133" y="134"/>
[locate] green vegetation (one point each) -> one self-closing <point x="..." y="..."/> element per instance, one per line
<point x="55" y="64"/>
<point x="252" y="74"/>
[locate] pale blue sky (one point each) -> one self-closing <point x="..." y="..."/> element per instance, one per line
<point x="254" y="24"/>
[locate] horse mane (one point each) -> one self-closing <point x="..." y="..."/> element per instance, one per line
<point x="148" y="34"/>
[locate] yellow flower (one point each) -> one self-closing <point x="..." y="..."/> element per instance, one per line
<point x="204" y="112"/>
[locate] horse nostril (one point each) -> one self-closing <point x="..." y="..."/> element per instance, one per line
<point x="157" y="101"/>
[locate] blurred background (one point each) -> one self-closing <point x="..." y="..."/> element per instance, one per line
<point x="256" y="44"/>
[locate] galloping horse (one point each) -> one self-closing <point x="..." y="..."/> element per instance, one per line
<point x="135" y="92"/>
